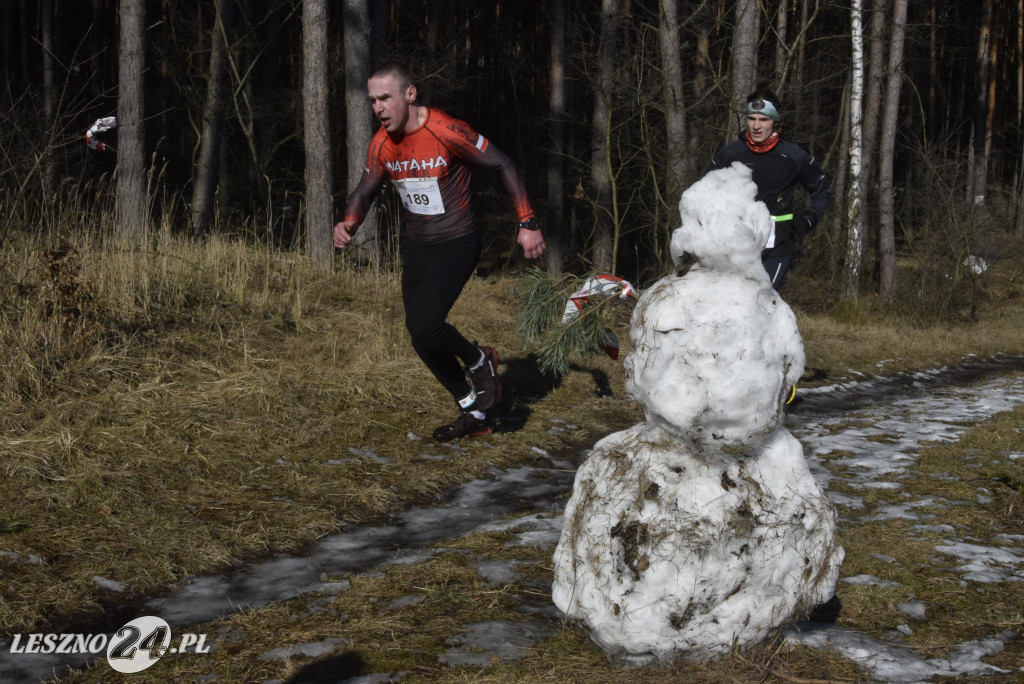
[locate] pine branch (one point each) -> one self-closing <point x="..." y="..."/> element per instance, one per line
<point x="542" y="302"/>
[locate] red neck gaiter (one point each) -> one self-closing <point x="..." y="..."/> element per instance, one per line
<point x="760" y="148"/>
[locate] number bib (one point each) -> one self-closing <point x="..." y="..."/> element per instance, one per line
<point x="771" y="236"/>
<point x="420" y="195"/>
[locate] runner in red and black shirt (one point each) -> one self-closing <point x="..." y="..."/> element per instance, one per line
<point x="428" y="157"/>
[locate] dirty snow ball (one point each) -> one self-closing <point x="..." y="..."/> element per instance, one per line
<point x="671" y="553"/>
<point x="714" y="356"/>
<point x="716" y="351"/>
<point x="722" y="224"/>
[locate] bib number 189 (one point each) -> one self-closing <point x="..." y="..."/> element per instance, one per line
<point x="420" y="196"/>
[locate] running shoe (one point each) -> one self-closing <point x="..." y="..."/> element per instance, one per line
<point x="466" y="425"/>
<point x="485" y="381"/>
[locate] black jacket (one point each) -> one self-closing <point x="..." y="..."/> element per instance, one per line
<point x="776" y="174"/>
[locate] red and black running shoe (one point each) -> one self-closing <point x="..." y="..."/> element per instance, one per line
<point x="466" y="425"/>
<point x="485" y="381"/>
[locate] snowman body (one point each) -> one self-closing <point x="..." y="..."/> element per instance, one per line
<point x="701" y="528"/>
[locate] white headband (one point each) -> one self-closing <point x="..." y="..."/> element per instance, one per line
<point x="763" y="107"/>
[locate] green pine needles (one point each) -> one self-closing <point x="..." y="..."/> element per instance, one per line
<point x="542" y="304"/>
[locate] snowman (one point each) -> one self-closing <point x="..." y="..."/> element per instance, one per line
<point x="702" y="528"/>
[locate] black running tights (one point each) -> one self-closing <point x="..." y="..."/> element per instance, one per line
<point x="433" y="275"/>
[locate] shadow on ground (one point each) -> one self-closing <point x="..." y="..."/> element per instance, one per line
<point x="523" y="383"/>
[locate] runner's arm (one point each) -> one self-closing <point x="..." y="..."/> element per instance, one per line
<point x="360" y="200"/>
<point x="477" y="151"/>
<point x="816" y="182"/>
<point x="529" y="237"/>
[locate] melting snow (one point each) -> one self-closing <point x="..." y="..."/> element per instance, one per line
<point x="818" y="422"/>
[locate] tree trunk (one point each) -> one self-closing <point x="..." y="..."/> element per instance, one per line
<point x="316" y="134"/>
<point x="839" y="182"/>
<point x="600" y="159"/>
<point x="933" y="116"/>
<point x="873" y="95"/>
<point x="675" y="105"/>
<point x="800" y="45"/>
<point x="742" y="68"/>
<point x="213" y="119"/>
<point x="979" y="168"/>
<point x="131" y="182"/>
<point x="49" y="166"/>
<point x="886" y="208"/>
<point x="1019" y="223"/>
<point x="358" y="118"/>
<point x="556" y="159"/>
<point x="854" y="218"/>
<point x="781" y="49"/>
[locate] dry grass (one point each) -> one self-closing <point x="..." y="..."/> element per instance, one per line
<point x="199" y="412"/>
<point x="179" y="410"/>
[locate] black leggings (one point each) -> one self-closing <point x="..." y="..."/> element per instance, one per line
<point x="777" y="268"/>
<point x="433" y="275"/>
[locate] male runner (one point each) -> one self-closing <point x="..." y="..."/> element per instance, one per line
<point x="427" y="155"/>
<point x="779" y="167"/>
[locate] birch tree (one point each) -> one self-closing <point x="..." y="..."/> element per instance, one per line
<point x="319" y="176"/>
<point x="854" y="216"/>
<point x="886" y="208"/>
<point x="131" y="182"/>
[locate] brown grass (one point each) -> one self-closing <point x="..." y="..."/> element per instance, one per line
<point x="184" y="416"/>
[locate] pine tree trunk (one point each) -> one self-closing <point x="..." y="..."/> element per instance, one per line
<point x="359" y="118"/>
<point x="934" y="116"/>
<point x="554" y="229"/>
<point x="800" y="45"/>
<point x="675" y="105"/>
<point x="1019" y="222"/>
<point x="743" y="64"/>
<point x="886" y="208"/>
<point x="781" y="49"/>
<point x="838" y="183"/>
<point x="213" y="119"/>
<point x="600" y="160"/>
<point x="316" y="134"/>
<point x="49" y="166"/>
<point x="873" y="94"/>
<point x="979" y="169"/>
<point x="131" y="182"/>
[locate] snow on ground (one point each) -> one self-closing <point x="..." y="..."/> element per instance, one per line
<point x="910" y="423"/>
<point x="904" y="426"/>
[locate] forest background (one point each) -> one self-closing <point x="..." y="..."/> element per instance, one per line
<point x="249" y="118"/>
<point x="187" y="367"/>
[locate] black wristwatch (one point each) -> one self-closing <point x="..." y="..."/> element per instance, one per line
<point x="529" y="224"/>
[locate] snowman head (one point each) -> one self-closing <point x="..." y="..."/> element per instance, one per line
<point x="724" y="227"/>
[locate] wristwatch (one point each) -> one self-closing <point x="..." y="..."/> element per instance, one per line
<point x="529" y="224"/>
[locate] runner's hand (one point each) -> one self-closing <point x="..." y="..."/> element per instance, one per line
<point x="532" y="242"/>
<point x="343" y="233"/>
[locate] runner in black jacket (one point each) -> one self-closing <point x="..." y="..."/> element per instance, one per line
<point x="778" y="167"/>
